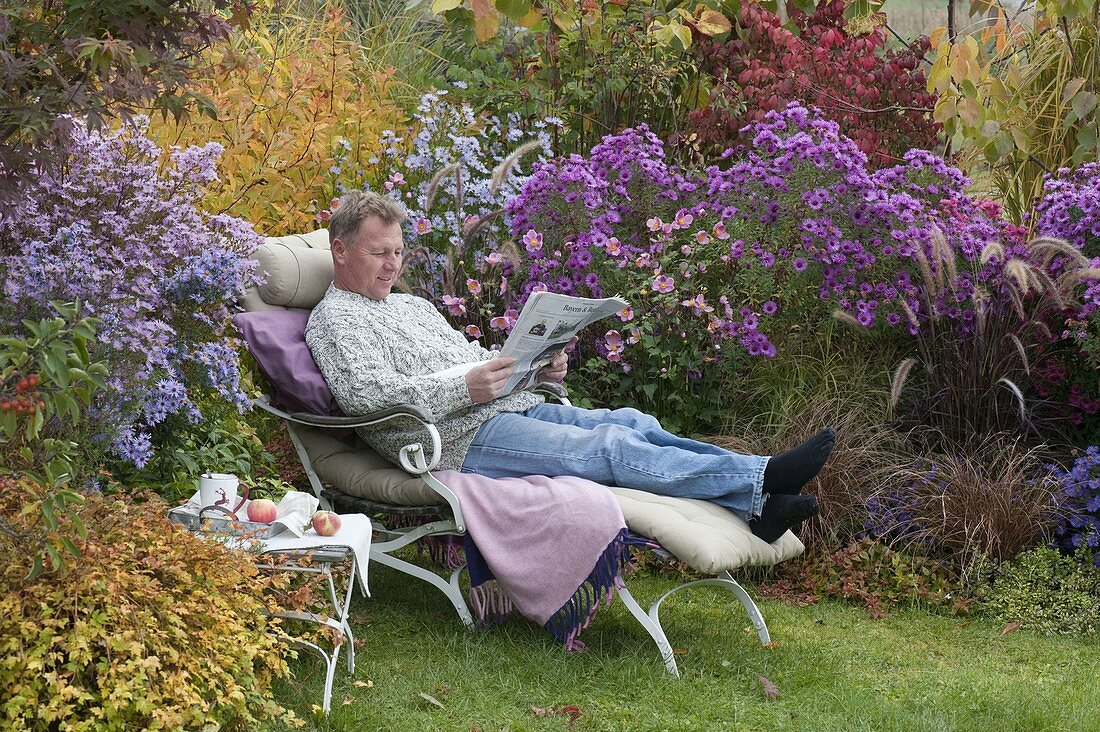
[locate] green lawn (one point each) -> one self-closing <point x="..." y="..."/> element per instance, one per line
<point x="836" y="669"/>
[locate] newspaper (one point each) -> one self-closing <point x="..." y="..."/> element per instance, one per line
<point x="546" y="325"/>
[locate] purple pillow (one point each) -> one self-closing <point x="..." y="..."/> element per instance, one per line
<point x="277" y="340"/>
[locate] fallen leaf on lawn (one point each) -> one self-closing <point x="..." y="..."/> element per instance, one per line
<point x="1011" y="628"/>
<point x="368" y="683"/>
<point x="771" y="644"/>
<point x="770" y="689"/>
<point x="679" y="651"/>
<point x="348" y="699"/>
<point x="430" y="699"/>
<point x="573" y="712"/>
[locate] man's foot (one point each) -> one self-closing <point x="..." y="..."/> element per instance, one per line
<point x="782" y="512"/>
<point x="788" y="472"/>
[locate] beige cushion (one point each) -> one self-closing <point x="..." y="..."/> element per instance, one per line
<point x="361" y="472"/>
<point x="708" y="538"/>
<point x="297" y="271"/>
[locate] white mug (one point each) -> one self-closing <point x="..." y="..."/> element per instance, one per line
<point x="219" y="489"/>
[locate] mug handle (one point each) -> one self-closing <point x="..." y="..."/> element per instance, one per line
<point x="243" y="497"/>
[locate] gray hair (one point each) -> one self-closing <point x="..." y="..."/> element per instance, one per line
<point x="358" y="206"/>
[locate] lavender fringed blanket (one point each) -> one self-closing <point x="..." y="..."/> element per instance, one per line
<point x="555" y="547"/>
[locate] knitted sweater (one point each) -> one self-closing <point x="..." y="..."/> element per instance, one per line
<point x="378" y="353"/>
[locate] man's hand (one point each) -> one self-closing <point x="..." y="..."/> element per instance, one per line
<point x="556" y="370"/>
<point x="485" y="381"/>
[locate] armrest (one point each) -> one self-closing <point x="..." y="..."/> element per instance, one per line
<point x="553" y="389"/>
<point x="319" y="420"/>
<point x="400" y="410"/>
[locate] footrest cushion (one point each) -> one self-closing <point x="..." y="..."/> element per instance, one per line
<point x="707" y="537"/>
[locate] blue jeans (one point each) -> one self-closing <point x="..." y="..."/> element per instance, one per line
<point x="623" y="447"/>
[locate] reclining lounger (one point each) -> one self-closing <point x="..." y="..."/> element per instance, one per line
<point x="348" y="475"/>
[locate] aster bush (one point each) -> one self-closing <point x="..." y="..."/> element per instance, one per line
<point x="453" y="169"/>
<point x="120" y="233"/>
<point x="1078" y="499"/>
<point x="745" y="258"/>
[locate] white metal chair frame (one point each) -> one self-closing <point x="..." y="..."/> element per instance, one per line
<point x="413" y="461"/>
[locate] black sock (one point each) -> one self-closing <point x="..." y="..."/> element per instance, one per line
<point x="788" y="472"/>
<point x="782" y="512"/>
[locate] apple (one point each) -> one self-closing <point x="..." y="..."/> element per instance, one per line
<point x="326" y="523"/>
<point x="262" y="511"/>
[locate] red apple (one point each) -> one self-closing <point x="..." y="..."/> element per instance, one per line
<point x="326" y="523"/>
<point x="262" y="511"/>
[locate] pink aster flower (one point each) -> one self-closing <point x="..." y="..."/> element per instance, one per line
<point x="664" y="284"/>
<point x="698" y="305"/>
<point x="720" y="231"/>
<point x="493" y="258"/>
<point x="532" y="240"/>
<point x="684" y="219"/>
<point x="473" y="331"/>
<point x="455" y="305"/>
<point x="423" y="226"/>
<point x="473" y="286"/>
<point x="626" y="314"/>
<point x="654" y="224"/>
<point x="506" y="321"/>
<point x="614" y="246"/>
<point x="686" y="250"/>
<point x="613" y="339"/>
<point x="702" y="237"/>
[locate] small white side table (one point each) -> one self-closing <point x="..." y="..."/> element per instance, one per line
<point x="313" y="554"/>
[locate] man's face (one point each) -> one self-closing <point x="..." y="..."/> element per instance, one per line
<point x="368" y="264"/>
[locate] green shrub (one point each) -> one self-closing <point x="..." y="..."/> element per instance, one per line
<point x="1047" y="591"/>
<point x="151" y="627"/>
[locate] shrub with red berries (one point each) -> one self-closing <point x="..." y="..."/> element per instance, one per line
<point x="21" y="395"/>
<point x="877" y="96"/>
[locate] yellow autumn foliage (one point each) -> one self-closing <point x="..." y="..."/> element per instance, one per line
<point x="150" y="627"/>
<point x="285" y="91"/>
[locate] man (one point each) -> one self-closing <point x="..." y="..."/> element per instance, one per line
<point x="377" y="348"/>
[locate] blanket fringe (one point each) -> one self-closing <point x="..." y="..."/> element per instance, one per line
<point x="597" y="590"/>
<point x="489" y="603"/>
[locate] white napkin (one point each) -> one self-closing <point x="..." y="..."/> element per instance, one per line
<point x="295" y="510"/>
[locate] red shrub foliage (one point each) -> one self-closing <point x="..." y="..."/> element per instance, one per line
<point x="877" y="96"/>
